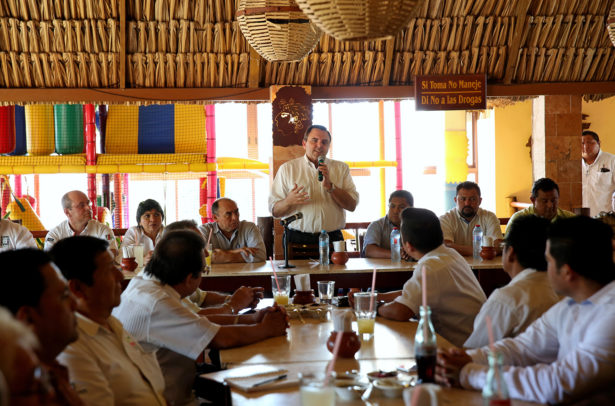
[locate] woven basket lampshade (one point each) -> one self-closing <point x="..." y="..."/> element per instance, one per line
<point x="610" y="24"/>
<point x="277" y="29"/>
<point x="359" y="20"/>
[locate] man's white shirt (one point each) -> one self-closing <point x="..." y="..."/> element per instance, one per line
<point x="599" y="183"/>
<point x="568" y="352"/>
<point x="154" y="314"/>
<point x="14" y="236"/>
<point x="109" y="367"/>
<point x="453" y="293"/>
<point x="513" y="307"/>
<point x="456" y="229"/>
<point x="92" y="229"/>
<point x="321" y="212"/>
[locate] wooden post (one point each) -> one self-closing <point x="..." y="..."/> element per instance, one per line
<point x="291" y="108"/>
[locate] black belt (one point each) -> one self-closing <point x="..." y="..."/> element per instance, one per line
<point x="300" y="237"/>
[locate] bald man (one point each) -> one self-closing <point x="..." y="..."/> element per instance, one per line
<point x="78" y="210"/>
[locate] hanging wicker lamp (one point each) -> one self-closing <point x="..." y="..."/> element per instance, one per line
<point x="359" y="20"/>
<point x="610" y="24"/>
<point x="277" y="29"/>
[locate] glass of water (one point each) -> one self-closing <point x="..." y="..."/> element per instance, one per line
<point x="326" y="291"/>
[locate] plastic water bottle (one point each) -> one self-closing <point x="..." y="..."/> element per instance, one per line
<point x="395" y="245"/>
<point x="477" y="239"/>
<point x="495" y="391"/>
<point x="323" y="247"/>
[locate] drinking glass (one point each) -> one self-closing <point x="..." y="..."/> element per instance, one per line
<point x="210" y="249"/>
<point x="365" y="310"/>
<point x="326" y="290"/>
<point x="316" y="390"/>
<point x="281" y="289"/>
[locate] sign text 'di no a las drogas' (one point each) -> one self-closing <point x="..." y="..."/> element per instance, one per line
<point x="450" y="92"/>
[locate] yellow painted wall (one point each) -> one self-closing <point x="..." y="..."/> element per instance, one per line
<point x="513" y="128"/>
<point x="601" y="117"/>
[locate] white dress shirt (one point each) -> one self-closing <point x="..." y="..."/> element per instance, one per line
<point x="110" y="367"/>
<point x="456" y="229"/>
<point x="93" y="229"/>
<point x="321" y="212"/>
<point x="14" y="236"/>
<point x="453" y="293"/>
<point x="599" y="183"/>
<point x="247" y="234"/>
<point x="514" y="307"/>
<point x="135" y="235"/>
<point x="569" y="352"/>
<point x="153" y="313"/>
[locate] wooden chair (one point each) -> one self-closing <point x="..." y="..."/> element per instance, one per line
<point x="304" y="251"/>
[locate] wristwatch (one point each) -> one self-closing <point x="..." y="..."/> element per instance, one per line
<point x="332" y="188"/>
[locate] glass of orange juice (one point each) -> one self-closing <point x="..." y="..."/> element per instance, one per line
<point x="280" y="289"/>
<point x="365" y="310"/>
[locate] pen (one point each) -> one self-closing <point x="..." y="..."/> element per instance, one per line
<point x="269" y="380"/>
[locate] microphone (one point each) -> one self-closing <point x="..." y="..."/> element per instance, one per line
<point x="321" y="160"/>
<point x="288" y="220"/>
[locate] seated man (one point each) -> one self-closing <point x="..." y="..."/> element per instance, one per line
<point x="206" y="302"/>
<point x="453" y="293"/>
<point x="458" y="223"/>
<point x="545" y="198"/>
<point x="377" y="241"/>
<point x="78" y="210"/>
<point x="528" y="295"/>
<point x="19" y="365"/>
<point x="232" y="240"/>
<point x="106" y="365"/>
<point x="35" y="292"/>
<point x="14" y="236"/>
<point x="569" y="352"/>
<point x="151" y="310"/>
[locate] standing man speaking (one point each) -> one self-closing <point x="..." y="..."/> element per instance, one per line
<point x="318" y="187"/>
<point x="598" y="174"/>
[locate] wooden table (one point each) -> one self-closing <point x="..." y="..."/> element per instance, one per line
<point x="357" y="272"/>
<point x="307" y="342"/>
<point x="303" y="350"/>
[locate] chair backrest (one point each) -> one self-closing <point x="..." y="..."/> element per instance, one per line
<point x="304" y="251"/>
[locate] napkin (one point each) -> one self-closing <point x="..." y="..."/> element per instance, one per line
<point x="429" y="395"/>
<point x="251" y="378"/>
<point x="302" y="282"/>
<point x="342" y="320"/>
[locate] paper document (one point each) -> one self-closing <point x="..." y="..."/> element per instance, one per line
<point x="259" y="378"/>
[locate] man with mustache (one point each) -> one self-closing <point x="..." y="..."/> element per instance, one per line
<point x="297" y="188"/>
<point x="232" y="240"/>
<point x="458" y="223"/>
<point x="545" y="199"/>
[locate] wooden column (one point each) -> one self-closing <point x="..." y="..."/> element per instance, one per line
<point x="556" y="145"/>
<point x="291" y="109"/>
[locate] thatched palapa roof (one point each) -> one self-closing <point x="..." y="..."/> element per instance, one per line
<point x="525" y="47"/>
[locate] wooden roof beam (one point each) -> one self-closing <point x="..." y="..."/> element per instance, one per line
<point x="215" y="95"/>
<point x="513" y="49"/>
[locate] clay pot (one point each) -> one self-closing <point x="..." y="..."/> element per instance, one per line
<point x="129" y="264"/>
<point x="349" y="346"/>
<point x="339" y="258"/>
<point x="303" y="296"/>
<point x="487" y="253"/>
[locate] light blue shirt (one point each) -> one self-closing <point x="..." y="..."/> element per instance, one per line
<point x="246" y="235"/>
<point x="379" y="233"/>
<point x="569" y="352"/>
